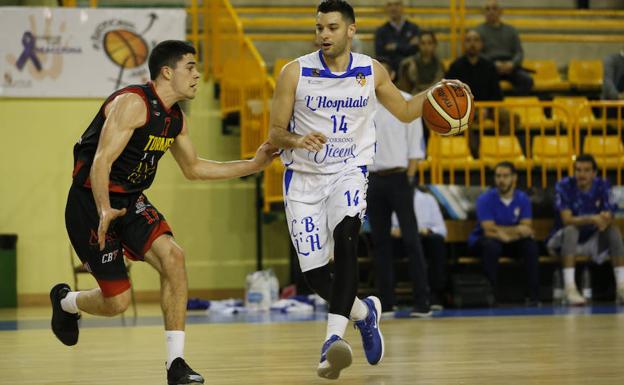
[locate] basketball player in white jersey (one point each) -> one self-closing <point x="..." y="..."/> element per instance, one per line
<point x="322" y="118"/>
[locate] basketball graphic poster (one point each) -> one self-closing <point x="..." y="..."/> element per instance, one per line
<point x="80" y="52"/>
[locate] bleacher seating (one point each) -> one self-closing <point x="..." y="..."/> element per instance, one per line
<point x="608" y="150"/>
<point x="452" y="154"/>
<point x="585" y="74"/>
<point x="545" y="75"/>
<point x="552" y="152"/>
<point x="495" y="149"/>
<point x="578" y="105"/>
<point x="530" y="112"/>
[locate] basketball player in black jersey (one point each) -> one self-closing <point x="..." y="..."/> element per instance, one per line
<point x="107" y="214"/>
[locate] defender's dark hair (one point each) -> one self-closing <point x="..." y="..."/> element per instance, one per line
<point x="167" y="53"/>
<point x="587" y="158"/>
<point x="345" y="9"/>
<point x="429" y="32"/>
<point x="507" y="164"/>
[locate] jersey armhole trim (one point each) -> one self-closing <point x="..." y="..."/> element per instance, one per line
<point x="133" y="90"/>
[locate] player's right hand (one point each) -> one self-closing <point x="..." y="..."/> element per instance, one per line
<point x="106" y="217"/>
<point x="312" y="142"/>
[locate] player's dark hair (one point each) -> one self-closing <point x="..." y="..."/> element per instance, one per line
<point x="167" y="53"/>
<point x="506" y="164"/>
<point x="345" y="9"/>
<point x="429" y="32"/>
<point x="587" y="158"/>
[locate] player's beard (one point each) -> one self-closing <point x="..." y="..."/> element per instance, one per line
<point x="338" y="49"/>
<point x="502" y="190"/>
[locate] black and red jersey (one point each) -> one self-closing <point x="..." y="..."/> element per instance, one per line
<point x="135" y="168"/>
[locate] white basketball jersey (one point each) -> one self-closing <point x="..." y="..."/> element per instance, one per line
<point x="339" y="105"/>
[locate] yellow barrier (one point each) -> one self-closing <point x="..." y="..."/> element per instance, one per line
<point x="500" y="132"/>
<point x="550" y="142"/>
<point x="604" y="139"/>
<point x="441" y="11"/>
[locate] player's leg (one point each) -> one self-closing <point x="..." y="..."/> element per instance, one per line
<point x="569" y="248"/>
<point x="306" y="214"/>
<point x="147" y="236"/>
<point x="612" y="238"/>
<point x="107" y="266"/>
<point x="167" y="257"/>
<point x="527" y="249"/>
<point x="490" y="250"/>
<point x="346" y="206"/>
<point x="320" y="281"/>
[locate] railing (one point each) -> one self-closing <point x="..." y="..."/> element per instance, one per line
<point x="232" y="59"/>
<point x="540" y="138"/>
<point x="451" y="22"/>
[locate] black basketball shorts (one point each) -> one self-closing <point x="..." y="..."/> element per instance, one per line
<point x="131" y="234"/>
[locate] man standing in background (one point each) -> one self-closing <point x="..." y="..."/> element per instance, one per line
<point x="399" y="146"/>
<point x="502" y="46"/>
<point x="398" y="38"/>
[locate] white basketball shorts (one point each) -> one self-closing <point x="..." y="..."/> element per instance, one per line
<point x="315" y="204"/>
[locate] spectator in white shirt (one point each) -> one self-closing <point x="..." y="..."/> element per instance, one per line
<point x="432" y="230"/>
<point x="399" y="146"/>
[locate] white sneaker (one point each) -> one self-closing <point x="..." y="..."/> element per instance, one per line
<point x="336" y="355"/>
<point x="573" y="298"/>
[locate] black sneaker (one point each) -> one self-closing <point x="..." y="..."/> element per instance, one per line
<point x="64" y="324"/>
<point x="421" y="311"/>
<point x="180" y="373"/>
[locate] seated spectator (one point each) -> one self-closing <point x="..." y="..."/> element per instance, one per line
<point x="432" y="231"/>
<point x="502" y="46"/>
<point x="481" y="76"/>
<point x="504" y="227"/>
<point x="585" y="226"/>
<point x="422" y="70"/>
<point x="475" y="70"/>
<point x="613" y="83"/>
<point x="398" y="38"/>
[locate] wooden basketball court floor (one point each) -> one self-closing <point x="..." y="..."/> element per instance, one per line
<point x="506" y="346"/>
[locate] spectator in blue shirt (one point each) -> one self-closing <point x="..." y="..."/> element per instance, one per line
<point x="585" y="226"/>
<point x="504" y="227"/>
<point x="398" y="38"/>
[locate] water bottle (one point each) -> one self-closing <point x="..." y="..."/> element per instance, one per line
<point x="557" y="285"/>
<point x="586" y="284"/>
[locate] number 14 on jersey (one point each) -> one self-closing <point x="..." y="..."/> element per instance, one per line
<point x="339" y="125"/>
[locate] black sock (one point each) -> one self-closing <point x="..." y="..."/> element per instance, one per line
<point x="344" y="288"/>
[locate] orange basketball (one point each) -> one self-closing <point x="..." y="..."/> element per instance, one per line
<point x="125" y="48"/>
<point x="448" y="109"/>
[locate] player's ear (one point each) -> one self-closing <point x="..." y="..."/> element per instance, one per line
<point x="351" y="30"/>
<point x="166" y="72"/>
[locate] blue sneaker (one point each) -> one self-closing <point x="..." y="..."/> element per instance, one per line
<point x="371" y="334"/>
<point x="335" y="356"/>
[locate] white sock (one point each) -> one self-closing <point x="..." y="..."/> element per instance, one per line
<point x="619" y="276"/>
<point x="69" y="302"/>
<point x="175" y="345"/>
<point x="568" y="278"/>
<point x="336" y="324"/>
<point x="359" y="311"/>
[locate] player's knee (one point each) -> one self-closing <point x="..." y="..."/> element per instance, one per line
<point x="117" y="304"/>
<point x="570" y="231"/>
<point x="349" y="227"/>
<point x="173" y="259"/>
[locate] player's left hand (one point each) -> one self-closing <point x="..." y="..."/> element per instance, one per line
<point x="265" y="155"/>
<point x="458" y="83"/>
